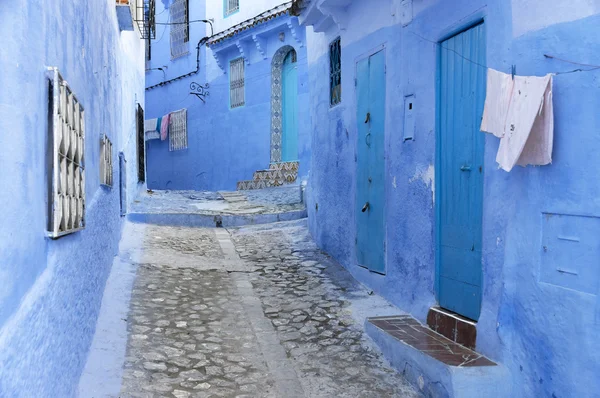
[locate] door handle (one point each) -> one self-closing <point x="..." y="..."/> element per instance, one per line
<point x="368" y="140"/>
<point x="368" y="119"/>
<point x="465" y="167"/>
<point x="365" y="207"/>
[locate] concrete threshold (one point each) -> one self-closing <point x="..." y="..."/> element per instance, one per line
<point x="212" y="220"/>
<point x="437" y="366"/>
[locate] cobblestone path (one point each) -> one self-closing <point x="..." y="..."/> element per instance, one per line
<point x="251" y="312"/>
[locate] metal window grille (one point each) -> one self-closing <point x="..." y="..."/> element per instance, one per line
<point x="141" y="145"/>
<point x="66" y="152"/>
<point x="335" y="72"/>
<point x="180" y="28"/>
<point x="231" y="6"/>
<point x="178" y="137"/>
<point x="236" y="83"/>
<point x="144" y="16"/>
<point x="106" y="162"/>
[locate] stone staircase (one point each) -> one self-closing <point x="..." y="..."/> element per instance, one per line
<point x="276" y="175"/>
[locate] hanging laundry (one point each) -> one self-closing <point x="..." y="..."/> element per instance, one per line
<point x="519" y="111"/>
<point x="150" y="129"/>
<point x="164" y="128"/>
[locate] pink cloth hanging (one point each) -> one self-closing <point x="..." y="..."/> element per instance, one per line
<point x="164" y="127"/>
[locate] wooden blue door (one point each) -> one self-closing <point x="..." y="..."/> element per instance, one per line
<point x="289" y="138"/>
<point x="459" y="171"/>
<point x="370" y="188"/>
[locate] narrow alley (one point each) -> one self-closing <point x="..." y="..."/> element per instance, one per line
<point x="255" y="311"/>
<point x="300" y="199"/>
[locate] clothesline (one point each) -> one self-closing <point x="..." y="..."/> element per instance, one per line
<point x="591" y="66"/>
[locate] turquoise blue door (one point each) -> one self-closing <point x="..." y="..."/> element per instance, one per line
<point x="370" y="188"/>
<point x="289" y="138"/>
<point x="460" y="172"/>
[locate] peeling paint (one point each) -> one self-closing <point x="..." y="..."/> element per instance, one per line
<point x="394" y="183"/>
<point x="428" y="177"/>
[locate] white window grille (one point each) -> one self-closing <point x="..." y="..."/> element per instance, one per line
<point x="67" y="145"/>
<point x="106" y="162"/>
<point x="180" y="28"/>
<point x="178" y="136"/>
<point x="231" y="6"/>
<point x="236" y="83"/>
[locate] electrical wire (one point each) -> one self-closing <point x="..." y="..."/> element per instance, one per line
<point x="592" y="67"/>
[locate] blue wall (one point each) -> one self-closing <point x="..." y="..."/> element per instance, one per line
<point x="50" y="290"/>
<point x="542" y="332"/>
<point x="224" y="145"/>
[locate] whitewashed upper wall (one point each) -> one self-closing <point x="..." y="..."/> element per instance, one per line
<point x="248" y="9"/>
<point x="531" y="15"/>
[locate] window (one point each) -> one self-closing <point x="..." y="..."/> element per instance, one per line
<point x="180" y="28"/>
<point x="123" y="183"/>
<point x="335" y="72"/>
<point x="66" y="188"/>
<point x="106" y="162"/>
<point x="231" y="6"/>
<point x="141" y="145"/>
<point x="178" y="138"/>
<point x="236" y="83"/>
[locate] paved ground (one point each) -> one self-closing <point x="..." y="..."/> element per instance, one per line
<point x="251" y="312"/>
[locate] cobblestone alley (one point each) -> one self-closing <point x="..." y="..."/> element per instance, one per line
<point x="249" y="312"/>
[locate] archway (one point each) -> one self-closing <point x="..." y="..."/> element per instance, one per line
<point x="277" y="103"/>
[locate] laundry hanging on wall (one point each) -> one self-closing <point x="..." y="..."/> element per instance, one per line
<point x="164" y="127"/>
<point x="519" y="111"/>
<point x="152" y="128"/>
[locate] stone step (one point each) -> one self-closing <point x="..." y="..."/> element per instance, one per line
<point x="437" y="366"/>
<point x="452" y="326"/>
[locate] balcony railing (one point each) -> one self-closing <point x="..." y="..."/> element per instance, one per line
<point x="140" y="12"/>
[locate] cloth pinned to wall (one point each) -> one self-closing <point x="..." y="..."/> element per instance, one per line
<point x="519" y="111"/>
<point x="152" y="129"/>
<point x="164" y="127"/>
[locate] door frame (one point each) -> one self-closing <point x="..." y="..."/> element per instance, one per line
<point x="357" y="59"/>
<point x="475" y="20"/>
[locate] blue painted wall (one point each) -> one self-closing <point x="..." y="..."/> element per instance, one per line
<point x="50" y="290"/>
<point x="541" y="331"/>
<point x="224" y="145"/>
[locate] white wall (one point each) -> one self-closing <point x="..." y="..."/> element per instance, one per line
<point x="248" y="9"/>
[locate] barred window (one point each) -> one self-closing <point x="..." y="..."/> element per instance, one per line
<point x="66" y="212"/>
<point x="335" y="72"/>
<point x="236" y="83"/>
<point x="231" y="6"/>
<point x="180" y="28"/>
<point x="141" y="144"/>
<point x="178" y="137"/>
<point x="106" y="162"/>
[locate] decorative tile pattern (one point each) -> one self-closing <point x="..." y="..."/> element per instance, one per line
<point x="276" y="103"/>
<point x="277" y="175"/>
<point x="409" y="331"/>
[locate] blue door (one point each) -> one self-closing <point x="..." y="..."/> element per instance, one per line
<point x="459" y="172"/>
<point x="370" y="189"/>
<point x="289" y="138"/>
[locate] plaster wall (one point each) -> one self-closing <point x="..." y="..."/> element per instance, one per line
<point x="50" y="290"/>
<point x="224" y="145"/>
<point x="543" y="332"/>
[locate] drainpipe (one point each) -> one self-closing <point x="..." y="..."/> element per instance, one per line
<point x="200" y="43"/>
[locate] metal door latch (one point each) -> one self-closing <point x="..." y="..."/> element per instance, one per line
<point x="465" y="167"/>
<point x="365" y="207"/>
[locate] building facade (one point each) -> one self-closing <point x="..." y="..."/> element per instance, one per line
<point x="250" y="131"/>
<point x="71" y="90"/>
<point x="405" y="192"/>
